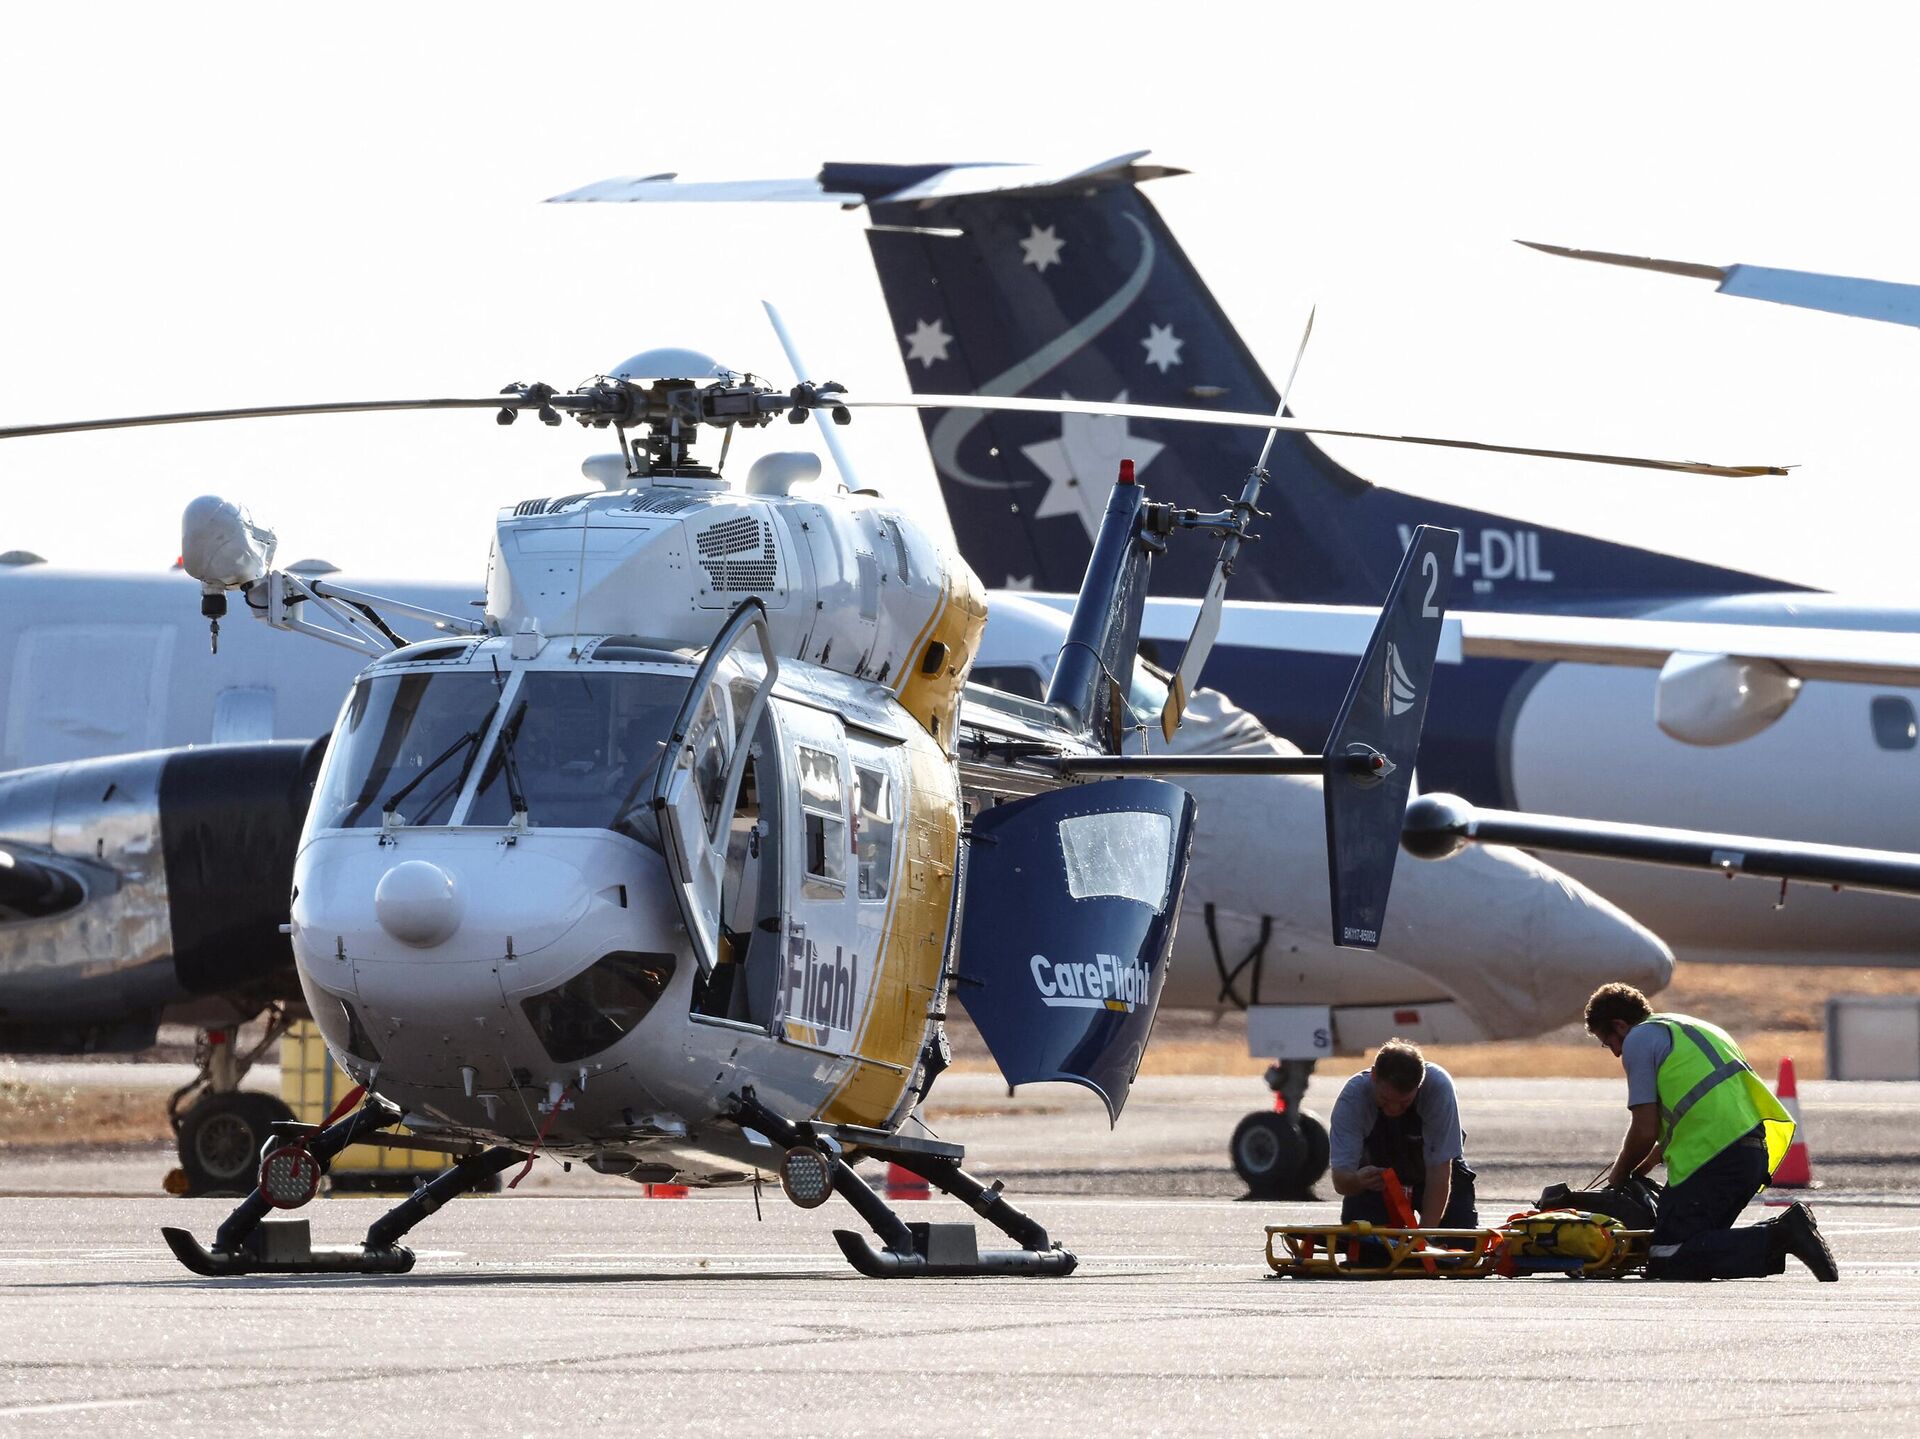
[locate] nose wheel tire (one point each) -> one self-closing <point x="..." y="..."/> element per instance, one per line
<point x="220" y="1141"/>
<point x="1276" y="1158"/>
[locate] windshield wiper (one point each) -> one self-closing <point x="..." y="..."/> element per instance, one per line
<point x="470" y="738"/>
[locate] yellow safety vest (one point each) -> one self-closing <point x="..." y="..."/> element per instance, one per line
<point x="1710" y="1097"/>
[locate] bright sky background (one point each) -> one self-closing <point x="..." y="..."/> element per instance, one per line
<point x="226" y="205"/>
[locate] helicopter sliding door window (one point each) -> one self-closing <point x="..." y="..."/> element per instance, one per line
<point x="873" y="831"/>
<point x="700" y="775"/>
<point x="823" y="818"/>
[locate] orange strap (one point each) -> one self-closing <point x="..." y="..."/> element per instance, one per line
<point x="1400" y="1209"/>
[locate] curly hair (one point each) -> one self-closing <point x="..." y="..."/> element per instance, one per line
<point x="1400" y="1064"/>
<point x="1615" y="1001"/>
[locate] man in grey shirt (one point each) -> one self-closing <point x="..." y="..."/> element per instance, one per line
<point x="1401" y="1116"/>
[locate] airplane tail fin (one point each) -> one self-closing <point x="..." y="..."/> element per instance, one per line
<point x="1081" y="289"/>
<point x="1046" y="281"/>
<point x="1384" y="711"/>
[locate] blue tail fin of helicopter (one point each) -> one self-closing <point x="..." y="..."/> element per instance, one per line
<point x="1070" y="283"/>
<point x="1093" y="676"/>
<point x="1384" y="711"/>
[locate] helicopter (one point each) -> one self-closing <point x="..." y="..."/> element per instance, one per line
<point x="663" y="864"/>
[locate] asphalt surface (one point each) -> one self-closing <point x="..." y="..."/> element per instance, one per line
<point x="579" y="1303"/>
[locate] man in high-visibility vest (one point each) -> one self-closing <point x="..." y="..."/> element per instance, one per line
<point x="1697" y="1103"/>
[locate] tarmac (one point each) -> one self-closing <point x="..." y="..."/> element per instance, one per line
<point x="579" y="1303"/>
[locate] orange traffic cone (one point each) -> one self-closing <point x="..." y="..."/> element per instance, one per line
<point x="903" y="1183"/>
<point x="1795" y="1171"/>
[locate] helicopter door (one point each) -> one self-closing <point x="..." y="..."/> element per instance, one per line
<point x="1070" y="905"/>
<point x="707" y="754"/>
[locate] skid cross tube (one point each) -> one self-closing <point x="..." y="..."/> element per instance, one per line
<point x="462" y="1177"/>
<point x="915" y="1250"/>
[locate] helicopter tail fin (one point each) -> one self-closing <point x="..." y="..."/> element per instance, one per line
<point x="1385" y="707"/>
<point x="1093" y="676"/>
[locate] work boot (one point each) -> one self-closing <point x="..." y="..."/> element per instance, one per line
<point x="1799" y="1236"/>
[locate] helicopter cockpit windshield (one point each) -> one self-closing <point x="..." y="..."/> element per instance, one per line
<point x="404" y="745"/>
<point x="585" y="746"/>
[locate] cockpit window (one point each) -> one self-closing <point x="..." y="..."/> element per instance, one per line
<point x="409" y="738"/>
<point x="585" y="746"/>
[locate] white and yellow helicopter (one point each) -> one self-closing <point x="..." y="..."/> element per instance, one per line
<point x="670" y="862"/>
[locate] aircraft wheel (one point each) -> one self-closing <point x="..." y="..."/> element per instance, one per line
<point x="221" y="1138"/>
<point x="1270" y="1155"/>
<point x="1318" y="1148"/>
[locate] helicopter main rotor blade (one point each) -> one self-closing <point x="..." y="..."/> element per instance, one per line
<point x="260" y="412"/>
<point x="1272" y="422"/>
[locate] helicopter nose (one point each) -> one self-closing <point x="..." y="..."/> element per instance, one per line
<point x="418" y="903"/>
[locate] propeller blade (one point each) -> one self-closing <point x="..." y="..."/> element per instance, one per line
<point x="1269" y="422"/>
<point x="261" y="412"/>
<point x="828" y="431"/>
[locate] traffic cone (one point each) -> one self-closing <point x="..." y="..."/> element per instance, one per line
<point x="903" y="1183"/>
<point x="1795" y="1171"/>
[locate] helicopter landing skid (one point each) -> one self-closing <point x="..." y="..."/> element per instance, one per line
<point x="282" y="1246"/>
<point x="249" y="1243"/>
<point x="918" y="1251"/>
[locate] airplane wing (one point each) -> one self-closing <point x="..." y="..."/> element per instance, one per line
<point x="1804" y="289"/>
<point x="1874" y="657"/>
<point x="1855" y="656"/>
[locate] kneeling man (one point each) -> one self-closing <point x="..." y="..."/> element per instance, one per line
<point x="1401" y="1115"/>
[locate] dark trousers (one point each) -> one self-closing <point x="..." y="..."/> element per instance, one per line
<point x="1461" y="1211"/>
<point x="1694" y="1237"/>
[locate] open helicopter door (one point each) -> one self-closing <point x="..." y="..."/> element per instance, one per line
<point x="1071" y="899"/>
<point x="699" y="777"/>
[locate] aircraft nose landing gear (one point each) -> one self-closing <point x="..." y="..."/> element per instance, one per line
<point x="1281" y="1153"/>
<point x="220" y="1134"/>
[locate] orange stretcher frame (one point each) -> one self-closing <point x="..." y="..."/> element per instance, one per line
<point x="1332" y="1251"/>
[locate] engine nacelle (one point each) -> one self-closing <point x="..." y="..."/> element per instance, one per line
<point x="1721" y="699"/>
<point x="143" y="884"/>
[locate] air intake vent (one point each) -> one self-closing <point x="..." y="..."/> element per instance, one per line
<point x="738" y="554"/>
<point x="648" y="502"/>
<point x="546" y="507"/>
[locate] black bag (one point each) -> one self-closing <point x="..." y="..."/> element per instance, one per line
<point x="1636" y="1203"/>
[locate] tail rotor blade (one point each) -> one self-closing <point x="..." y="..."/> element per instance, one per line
<point x="1206" y="629"/>
<point x="1206" y="624"/>
<point x="827" y="431"/>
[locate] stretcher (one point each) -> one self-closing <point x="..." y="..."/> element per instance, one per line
<point x="1371" y="1251"/>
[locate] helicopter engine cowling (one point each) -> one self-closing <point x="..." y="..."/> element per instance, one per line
<point x="854" y="586"/>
